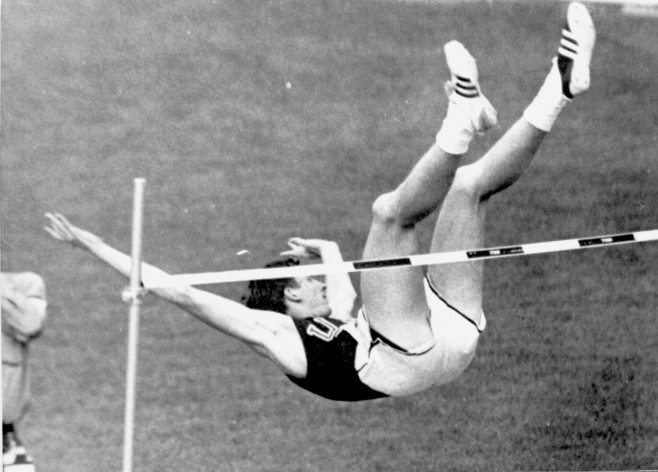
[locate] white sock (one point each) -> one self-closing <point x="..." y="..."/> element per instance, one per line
<point x="548" y="103"/>
<point x="456" y="132"/>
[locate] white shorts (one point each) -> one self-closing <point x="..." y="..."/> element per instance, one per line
<point x="396" y="372"/>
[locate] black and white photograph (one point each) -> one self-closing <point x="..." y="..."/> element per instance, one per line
<point x="329" y="235"/>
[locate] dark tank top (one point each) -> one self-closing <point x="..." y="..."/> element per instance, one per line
<point x="330" y="352"/>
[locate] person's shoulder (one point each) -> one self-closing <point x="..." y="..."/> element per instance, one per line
<point x="275" y="322"/>
<point x="304" y="323"/>
<point x="29" y="283"/>
<point x="28" y="276"/>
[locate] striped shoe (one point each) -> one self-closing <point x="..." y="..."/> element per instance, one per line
<point x="575" y="51"/>
<point x="463" y="89"/>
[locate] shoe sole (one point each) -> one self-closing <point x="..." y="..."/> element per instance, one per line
<point x="581" y="32"/>
<point x="463" y="69"/>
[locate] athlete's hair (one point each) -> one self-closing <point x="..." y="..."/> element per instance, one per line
<point x="269" y="294"/>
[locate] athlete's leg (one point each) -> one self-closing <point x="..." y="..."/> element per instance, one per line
<point x="394" y="300"/>
<point x="460" y="224"/>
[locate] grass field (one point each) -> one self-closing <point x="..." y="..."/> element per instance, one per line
<point x="192" y="96"/>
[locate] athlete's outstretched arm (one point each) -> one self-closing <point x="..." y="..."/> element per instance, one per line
<point x="340" y="291"/>
<point x="263" y="331"/>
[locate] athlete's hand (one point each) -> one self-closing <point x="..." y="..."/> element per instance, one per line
<point x="307" y="248"/>
<point x="61" y="229"/>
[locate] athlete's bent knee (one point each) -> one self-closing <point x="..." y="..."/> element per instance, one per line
<point x="385" y="210"/>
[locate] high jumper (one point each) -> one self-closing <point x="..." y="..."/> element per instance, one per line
<point x="415" y="328"/>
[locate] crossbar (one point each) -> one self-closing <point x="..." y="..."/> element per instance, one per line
<point x="204" y="278"/>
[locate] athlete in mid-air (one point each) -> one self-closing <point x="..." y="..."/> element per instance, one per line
<point x="414" y="329"/>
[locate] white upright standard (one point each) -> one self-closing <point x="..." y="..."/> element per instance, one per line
<point x="133" y="294"/>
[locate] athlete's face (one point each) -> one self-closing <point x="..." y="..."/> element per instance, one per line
<point x="313" y="294"/>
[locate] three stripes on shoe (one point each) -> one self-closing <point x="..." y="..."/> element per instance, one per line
<point x="465" y="88"/>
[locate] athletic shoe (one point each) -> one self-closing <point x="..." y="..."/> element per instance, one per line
<point x="575" y="51"/>
<point x="14" y="456"/>
<point x="464" y="90"/>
